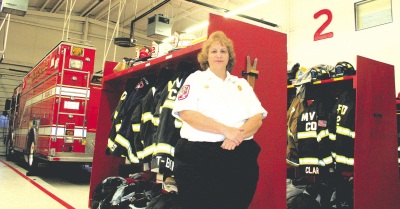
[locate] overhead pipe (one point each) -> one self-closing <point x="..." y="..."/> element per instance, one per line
<point x="44" y="5"/>
<point x="150" y="11"/>
<point x="91" y="7"/>
<point x="128" y="43"/>
<point x="60" y="6"/>
<point x="226" y="11"/>
<point x="56" y="6"/>
<point x="107" y="9"/>
<point x="146" y="13"/>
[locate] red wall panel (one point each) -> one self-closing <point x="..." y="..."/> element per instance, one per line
<point x="270" y="48"/>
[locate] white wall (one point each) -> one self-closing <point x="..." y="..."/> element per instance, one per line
<point x="379" y="43"/>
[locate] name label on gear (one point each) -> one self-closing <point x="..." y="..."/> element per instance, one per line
<point x="312" y="170"/>
<point x="307" y="116"/>
<point x="165" y="162"/>
<point x="311" y="126"/>
<point x="341" y="110"/>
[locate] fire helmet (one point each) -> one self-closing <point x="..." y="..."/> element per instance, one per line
<point x="291" y="74"/>
<point x="302" y="76"/>
<point x="344" y="68"/>
<point x="321" y="72"/>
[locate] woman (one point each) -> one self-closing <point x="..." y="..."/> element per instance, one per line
<point x="216" y="158"/>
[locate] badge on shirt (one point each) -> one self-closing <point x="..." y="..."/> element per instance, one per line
<point x="239" y="87"/>
<point x="183" y="92"/>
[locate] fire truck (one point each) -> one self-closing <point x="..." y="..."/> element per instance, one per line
<point x="54" y="110"/>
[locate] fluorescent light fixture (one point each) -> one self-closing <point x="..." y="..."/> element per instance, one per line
<point x="235" y="12"/>
<point x="169" y="39"/>
<point x="197" y="27"/>
<point x="229" y="14"/>
<point x="190" y="30"/>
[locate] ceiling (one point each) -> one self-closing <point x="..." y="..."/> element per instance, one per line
<point x="183" y="13"/>
<point x="49" y="15"/>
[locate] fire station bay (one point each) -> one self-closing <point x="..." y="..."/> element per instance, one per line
<point x="199" y="104"/>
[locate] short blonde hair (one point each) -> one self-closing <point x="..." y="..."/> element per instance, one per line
<point x="217" y="36"/>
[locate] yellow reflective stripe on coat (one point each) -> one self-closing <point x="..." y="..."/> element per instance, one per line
<point x="306" y="134"/>
<point x="156" y="121"/>
<point x="292" y="163"/>
<point x="115" y="114"/>
<point x="169" y="104"/>
<point x="178" y="123"/>
<point x="289" y="132"/>
<point x="111" y="145"/>
<point x="345" y="131"/>
<point x="165" y="149"/>
<point x="344" y="160"/>
<point x="125" y="143"/>
<point x="123" y="96"/>
<point x="117" y="126"/>
<point x="140" y="154"/>
<point x="147" y="116"/>
<point x="328" y="160"/>
<point x="322" y="134"/>
<point x="148" y="150"/>
<point x="332" y="136"/>
<point x="308" y="161"/>
<point x="136" y="127"/>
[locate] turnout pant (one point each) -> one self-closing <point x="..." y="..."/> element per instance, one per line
<point x="209" y="177"/>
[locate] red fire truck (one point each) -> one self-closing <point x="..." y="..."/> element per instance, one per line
<point x="54" y="111"/>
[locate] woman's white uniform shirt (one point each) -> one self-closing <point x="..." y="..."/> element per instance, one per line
<point x="230" y="102"/>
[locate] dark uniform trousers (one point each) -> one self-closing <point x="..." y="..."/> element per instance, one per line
<point x="209" y="177"/>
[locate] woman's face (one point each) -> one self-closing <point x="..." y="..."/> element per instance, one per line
<point x="218" y="56"/>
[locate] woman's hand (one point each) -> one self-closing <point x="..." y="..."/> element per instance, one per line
<point x="235" y="135"/>
<point x="228" y="145"/>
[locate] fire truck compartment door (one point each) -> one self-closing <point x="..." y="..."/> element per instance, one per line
<point x="71" y="118"/>
<point x="74" y="106"/>
<point x="75" y="78"/>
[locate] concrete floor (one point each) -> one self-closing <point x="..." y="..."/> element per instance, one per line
<point x="52" y="188"/>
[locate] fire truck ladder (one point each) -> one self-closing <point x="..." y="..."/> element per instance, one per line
<point x="64" y="91"/>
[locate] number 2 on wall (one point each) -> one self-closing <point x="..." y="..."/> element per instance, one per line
<point x="318" y="35"/>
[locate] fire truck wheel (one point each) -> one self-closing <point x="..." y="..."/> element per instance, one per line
<point x="30" y="158"/>
<point x="10" y="156"/>
<point x="9" y="153"/>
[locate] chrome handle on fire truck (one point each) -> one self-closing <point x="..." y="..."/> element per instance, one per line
<point x="70" y="116"/>
<point x="74" y="78"/>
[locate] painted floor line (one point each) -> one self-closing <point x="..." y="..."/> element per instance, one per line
<point x="62" y="202"/>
